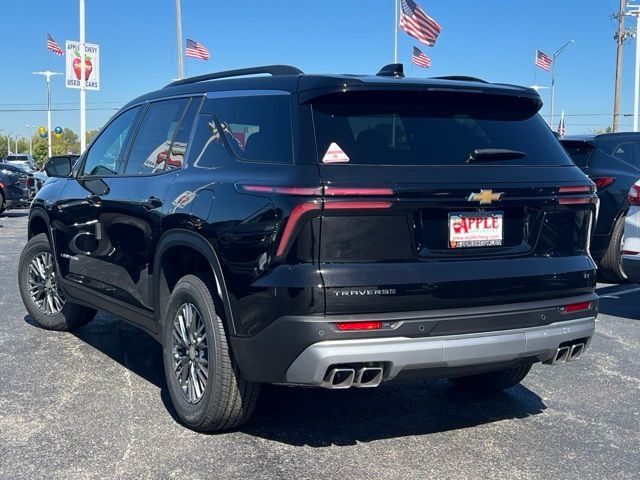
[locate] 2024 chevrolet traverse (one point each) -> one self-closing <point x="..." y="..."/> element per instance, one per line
<point x="322" y="230"/>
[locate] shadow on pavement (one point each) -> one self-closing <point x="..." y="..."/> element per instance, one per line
<point x="319" y="417"/>
<point x="14" y="213"/>
<point x="620" y="301"/>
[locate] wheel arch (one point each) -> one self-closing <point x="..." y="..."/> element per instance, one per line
<point x="38" y="223"/>
<point x="197" y="248"/>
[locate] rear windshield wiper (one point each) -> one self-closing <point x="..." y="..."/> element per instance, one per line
<point x="481" y="154"/>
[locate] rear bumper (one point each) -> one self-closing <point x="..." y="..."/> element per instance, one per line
<point x="298" y="349"/>
<point x="399" y="353"/>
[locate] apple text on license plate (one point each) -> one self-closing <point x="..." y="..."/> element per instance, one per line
<point x="475" y="229"/>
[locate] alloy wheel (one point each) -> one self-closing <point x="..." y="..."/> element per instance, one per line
<point x="190" y="352"/>
<point x="43" y="285"/>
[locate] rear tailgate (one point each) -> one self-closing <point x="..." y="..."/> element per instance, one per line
<point x="408" y="224"/>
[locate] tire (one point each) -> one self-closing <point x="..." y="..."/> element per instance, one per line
<point x="224" y="400"/>
<point x="492" y="381"/>
<point x="3" y="203"/>
<point x="63" y="315"/>
<point x="611" y="270"/>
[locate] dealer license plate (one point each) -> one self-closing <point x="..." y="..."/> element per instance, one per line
<point x="475" y="229"/>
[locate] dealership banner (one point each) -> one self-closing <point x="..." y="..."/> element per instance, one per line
<point x="73" y="76"/>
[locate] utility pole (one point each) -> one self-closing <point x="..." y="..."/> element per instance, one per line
<point x="179" y="40"/>
<point x="620" y="36"/>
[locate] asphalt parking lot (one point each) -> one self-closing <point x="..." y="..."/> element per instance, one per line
<point x="94" y="405"/>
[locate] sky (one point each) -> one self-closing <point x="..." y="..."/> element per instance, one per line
<point x="491" y="39"/>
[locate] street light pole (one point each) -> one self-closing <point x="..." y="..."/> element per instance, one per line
<point x="30" y="139"/>
<point x="179" y="40"/>
<point x="556" y="54"/>
<point x="47" y="74"/>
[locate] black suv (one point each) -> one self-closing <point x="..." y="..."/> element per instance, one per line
<point x="17" y="186"/>
<point x="612" y="161"/>
<point x="322" y="230"/>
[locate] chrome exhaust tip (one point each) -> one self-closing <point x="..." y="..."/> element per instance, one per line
<point x="368" y="377"/>
<point x="561" y="355"/>
<point x="576" y="352"/>
<point x="339" y="378"/>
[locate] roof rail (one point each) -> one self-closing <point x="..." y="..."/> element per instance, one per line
<point x="460" y="78"/>
<point x="275" y="70"/>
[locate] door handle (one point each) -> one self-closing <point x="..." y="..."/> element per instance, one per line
<point x="151" y="203"/>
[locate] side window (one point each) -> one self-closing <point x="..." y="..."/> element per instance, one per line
<point x="625" y="152"/>
<point x="153" y="140"/>
<point x="175" y="159"/>
<point x="257" y="129"/>
<point x="105" y="155"/>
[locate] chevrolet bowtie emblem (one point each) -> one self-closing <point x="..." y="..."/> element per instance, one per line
<point x="485" y="197"/>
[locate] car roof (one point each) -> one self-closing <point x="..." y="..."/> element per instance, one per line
<point x="292" y="80"/>
<point x="601" y="136"/>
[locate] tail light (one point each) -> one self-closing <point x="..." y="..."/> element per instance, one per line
<point x="634" y="195"/>
<point x="602" y="182"/>
<point x="575" y="190"/>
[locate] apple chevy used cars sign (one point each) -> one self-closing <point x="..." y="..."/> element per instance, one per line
<point x="73" y="60"/>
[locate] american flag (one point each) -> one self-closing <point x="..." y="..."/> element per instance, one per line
<point x="420" y="59"/>
<point x="196" y="50"/>
<point x="418" y="24"/>
<point x="52" y="46"/>
<point x="561" y="128"/>
<point x="543" y="60"/>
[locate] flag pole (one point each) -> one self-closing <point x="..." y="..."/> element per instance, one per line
<point x="395" y="33"/>
<point x="179" y="40"/>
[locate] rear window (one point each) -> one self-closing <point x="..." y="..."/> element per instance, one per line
<point x="428" y="128"/>
<point x="580" y="152"/>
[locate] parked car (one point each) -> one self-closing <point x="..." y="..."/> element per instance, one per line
<point x="16" y="186"/>
<point x="612" y="161"/>
<point x="631" y="247"/>
<point x="329" y="231"/>
<point x="21" y="159"/>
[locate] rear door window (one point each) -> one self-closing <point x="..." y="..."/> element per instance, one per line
<point x="626" y="152"/>
<point x="152" y="142"/>
<point x="580" y="152"/>
<point x="428" y="128"/>
<point x="256" y="129"/>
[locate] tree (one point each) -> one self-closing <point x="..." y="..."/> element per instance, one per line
<point x="598" y="131"/>
<point x="91" y="134"/>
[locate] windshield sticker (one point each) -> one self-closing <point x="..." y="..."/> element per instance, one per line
<point x="335" y="154"/>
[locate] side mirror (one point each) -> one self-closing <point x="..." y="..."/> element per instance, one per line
<point x="58" y="166"/>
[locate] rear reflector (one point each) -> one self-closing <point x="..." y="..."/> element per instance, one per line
<point x="576" y="307"/>
<point x="350" y="326"/>
<point x="334" y="191"/>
